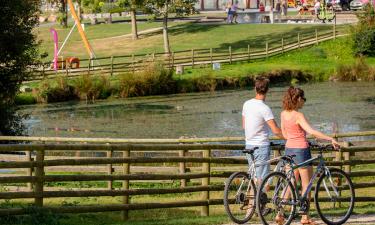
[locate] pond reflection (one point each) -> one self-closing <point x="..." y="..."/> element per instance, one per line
<point x="348" y="105"/>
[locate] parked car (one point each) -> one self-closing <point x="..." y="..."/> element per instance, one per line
<point x="358" y="4"/>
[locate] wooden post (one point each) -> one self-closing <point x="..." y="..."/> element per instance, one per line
<point x="133" y="63"/>
<point x="125" y="184"/>
<point x="205" y="182"/>
<point x="89" y="67"/>
<point x="248" y="52"/>
<point x="347" y="168"/>
<point x="39" y="174"/>
<point x="66" y="69"/>
<point x="211" y="58"/>
<point x="282" y="45"/>
<point x="230" y="54"/>
<point x="29" y="171"/>
<point x="109" y="170"/>
<point x="316" y="36"/>
<point x="334" y="29"/>
<point x="267" y="49"/>
<point x="153" y="56"/>
<point x="112" y="58"/>
<point x="172" y="60"/>
<point x="181" y="153"/>
<point x="192" y="58"/>
<point x="299" y="41"/>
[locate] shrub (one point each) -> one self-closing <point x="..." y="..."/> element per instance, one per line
<point x="25" y="99"/>
<point x="90" y="88"/>
<point x="206" y="82"/>
<point x="57" y="90"/>
<point x="153" y="80"/>
<point x="363" y="33"/>
<point x="357" y="71"/>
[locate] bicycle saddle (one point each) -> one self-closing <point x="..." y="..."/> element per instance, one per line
<point x="250" y="150"/>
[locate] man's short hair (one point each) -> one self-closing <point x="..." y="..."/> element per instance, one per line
<point x="261" y="85"/>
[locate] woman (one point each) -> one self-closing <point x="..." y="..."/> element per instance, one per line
<point x="294" y="127"/>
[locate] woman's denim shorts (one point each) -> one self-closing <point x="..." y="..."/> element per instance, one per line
<point x="302" y="154"/>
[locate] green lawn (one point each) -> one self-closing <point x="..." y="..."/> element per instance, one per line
<point x="107" y="41"/>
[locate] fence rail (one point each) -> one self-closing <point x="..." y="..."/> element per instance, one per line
<point x="113" y="65"/>
<point x="125" y="155"/>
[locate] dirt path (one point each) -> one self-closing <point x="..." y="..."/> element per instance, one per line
<point x="368" y="219"/>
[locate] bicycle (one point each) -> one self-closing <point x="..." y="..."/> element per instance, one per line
<point x="240" y="189"/>
<point x="333" y="186"/>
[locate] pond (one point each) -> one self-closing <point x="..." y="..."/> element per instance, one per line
<point x="345" y="106"/>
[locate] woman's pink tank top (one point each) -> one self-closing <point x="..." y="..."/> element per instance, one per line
<point x="296" y="136"/>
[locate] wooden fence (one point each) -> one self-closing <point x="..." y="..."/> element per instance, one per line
<point x="122" y="156"/>
<point x="187" y="58"/>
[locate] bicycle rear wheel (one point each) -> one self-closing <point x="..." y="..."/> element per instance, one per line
<point x="239" y="197"/>
<point x="276" y="199"/>
<point x="334" y="197"/>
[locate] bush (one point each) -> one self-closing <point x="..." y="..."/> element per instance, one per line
<point x="155" y="79"/>
<point x="363" y="33"/>
<point x="358" y="71"/>
<point x="90" y="88"/>
<point x="25" y="99"/>
<point x="57" y="90"/>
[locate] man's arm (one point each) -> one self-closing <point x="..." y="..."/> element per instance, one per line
<point x="275" y="129"/>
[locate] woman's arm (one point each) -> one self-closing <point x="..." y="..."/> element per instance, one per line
<point x="302" y="121"/>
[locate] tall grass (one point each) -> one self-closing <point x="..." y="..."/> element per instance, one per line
<point x="355" y="72"/>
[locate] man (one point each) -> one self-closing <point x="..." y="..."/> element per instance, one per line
<point x="257" y="118"/>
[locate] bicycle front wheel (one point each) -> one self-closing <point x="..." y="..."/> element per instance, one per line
<point x="239" y="197"/>
<point x="276" y="199"/>
<point x="334" y="197"/>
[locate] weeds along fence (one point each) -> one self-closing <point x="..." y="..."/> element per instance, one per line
<point x="197" y="165"/>
<point x="188" y="58"/>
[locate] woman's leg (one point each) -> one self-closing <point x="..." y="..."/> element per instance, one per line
<point x="306" y="174"/>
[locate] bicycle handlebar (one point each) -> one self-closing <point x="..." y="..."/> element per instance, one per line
<point x="322" y="147"/>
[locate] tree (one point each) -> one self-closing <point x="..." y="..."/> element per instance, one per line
<point x="18" y="50"/>
<point x="132" y="6"/>
<point x="363" y="33"/>
<point x="164" y="7"/>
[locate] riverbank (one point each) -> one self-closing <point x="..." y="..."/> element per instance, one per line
<point x="331" y="60"/>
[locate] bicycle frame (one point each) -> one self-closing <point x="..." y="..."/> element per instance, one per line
<point x="321" y="168"/>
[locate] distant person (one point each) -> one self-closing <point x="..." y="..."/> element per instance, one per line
<point x="294" y="126"/>
<point x="234" y="9"/>
<point x="278" y="6"/>
<point x="229" y="12"/>
<point x="257" y="118"/>
<point x="317" y="7"/>
<point x="284" y="7"/>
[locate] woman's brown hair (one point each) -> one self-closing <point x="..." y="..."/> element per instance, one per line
<point x="292" y="98"/>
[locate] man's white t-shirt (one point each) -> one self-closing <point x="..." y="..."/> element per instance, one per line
<point x="256" y="114"/>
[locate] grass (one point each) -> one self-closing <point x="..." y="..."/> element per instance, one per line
<point x="107" y="41"/>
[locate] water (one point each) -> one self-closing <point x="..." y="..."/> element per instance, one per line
<point x="349" y="105"/>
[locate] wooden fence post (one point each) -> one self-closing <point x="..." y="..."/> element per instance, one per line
<point x="39" y="174"/>
<point x="29" y="171"/>
<point x="282" y="45"/>
<point x="248" y="52"/>
<point x="182" y="153"/>
<point x="89" y="67"/>
<point x="230" y="54"/>
<point x="192" y="58"/>
<point x="299" y="41"/>
<point x="153" y="56"/>
<point x="125" y="184"/>
<point x="133" y="63"/>
<point x="347" y="168"/>
<point x="334" y="29"/>
<point x="316" y="36"/>
<point x="205" y="182"/>
<point x="211" y="57"/>
<point x="110" y="170"/>
<point x="267" y="49"/>
<point x="112" y="58"/>
<point x="172" y="60"/>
